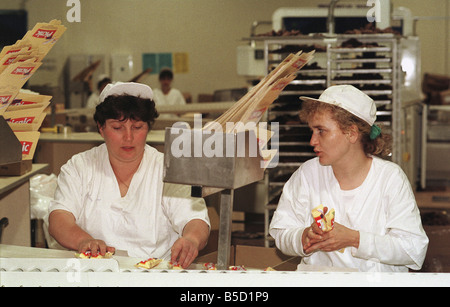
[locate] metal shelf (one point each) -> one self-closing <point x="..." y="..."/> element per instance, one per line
<point x="358" y="81"/>
<point x="359" y="49"/>
<point x="364" y="60"/>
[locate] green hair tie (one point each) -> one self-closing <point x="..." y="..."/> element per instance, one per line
<point x="374" y="132"/>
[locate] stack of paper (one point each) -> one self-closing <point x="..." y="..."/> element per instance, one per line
<point x="252" y="106"/>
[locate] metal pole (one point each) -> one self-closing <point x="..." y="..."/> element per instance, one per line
<point x="226" y="210"/>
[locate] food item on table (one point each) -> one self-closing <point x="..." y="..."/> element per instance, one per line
<point x="88" y="255"/>
<point x="237" y="268"/>
<point x="149" y="263"/>
<point x="210" y="266"/>
<point x="175" y="266"/>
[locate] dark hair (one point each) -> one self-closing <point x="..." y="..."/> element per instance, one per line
<point x="381" y="146"/>
<point x="165" y="74"/>
<point x="123" y="107"/>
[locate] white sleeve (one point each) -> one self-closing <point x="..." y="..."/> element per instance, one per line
<point x="405" y="242"/>
<point x="291" y="217"/>
<point x="181" y="208"/>
<point x="68" y="193"/>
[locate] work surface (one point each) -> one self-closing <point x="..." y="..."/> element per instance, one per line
<point x="24" y="266"/>
<point x="9" y="182"/>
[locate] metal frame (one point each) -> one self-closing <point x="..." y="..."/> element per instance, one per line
<point x="240" y="164"/>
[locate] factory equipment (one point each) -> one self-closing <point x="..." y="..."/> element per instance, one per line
<point x="313" y="20"/>
<point x="236" y="164"/>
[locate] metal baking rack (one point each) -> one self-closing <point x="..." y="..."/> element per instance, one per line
<point x="237" y="164"/>
<point x="10" y="147"/>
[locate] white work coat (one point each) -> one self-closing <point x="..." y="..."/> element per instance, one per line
<point x="145" y="222"/>
<point x="173" y="98"/>
<point x="383" y="209"/>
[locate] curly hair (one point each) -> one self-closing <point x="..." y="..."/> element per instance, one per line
<point x="123" y="107"/>
<point x="381" y="146"/>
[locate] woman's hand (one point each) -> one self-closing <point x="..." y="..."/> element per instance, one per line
<point x="311" y="235"/>
<point x="339" y="237"/>
<point x="185" y="249"/>
<point x="95" y="247"/>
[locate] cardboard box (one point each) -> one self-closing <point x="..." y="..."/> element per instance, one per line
<point x="251" y="257"/>
<point x="16" y="169"/>
<point x="238" y="219"/>
<point x="438" y="199"/>
<point x="255" y="257"/>
<point x="437" y="258"/>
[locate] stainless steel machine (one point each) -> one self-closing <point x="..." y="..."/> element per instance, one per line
<point x="210" y="169"/>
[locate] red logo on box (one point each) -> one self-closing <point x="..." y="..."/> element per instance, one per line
<point x="10" y="60"/>
<point x="13" y="51"/>
<point x="42" y="33"/>
<point x="4" y="99"/>
<point x="21" y="120"/>
<point x="22" y="71"/>
<point x="26" y="147"/>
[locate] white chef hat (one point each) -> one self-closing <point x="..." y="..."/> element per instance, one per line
<point x="126" y="88"/>
<point x="351" y="99"/>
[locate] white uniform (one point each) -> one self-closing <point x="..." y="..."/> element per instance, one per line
<point x="93" y="100"/>
<point x="146" y="222"/>
<point x="383" y="209"/>
<point x="174" y="97"/>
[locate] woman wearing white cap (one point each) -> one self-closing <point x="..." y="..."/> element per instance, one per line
<point x="113" y="197"/>
<point x="377" y="225"/>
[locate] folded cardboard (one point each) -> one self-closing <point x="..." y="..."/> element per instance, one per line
<point x="25" y="120"/>
<point x="29" y="140"/>
<point x="17" y="74"/>
<point x="24" y="101"/>
<point x="43" y="36"/>
<point x="16" y="169"/>
<point x="7" y="95"/>
<point x="18" y="63"/>
<point x="251" y="107"/>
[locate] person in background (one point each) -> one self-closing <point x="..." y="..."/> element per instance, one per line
<point x="168" y="95"/>
<point x="377" y="224"/>
<point x="113" y="196"/>
<point x="94" y="97"/>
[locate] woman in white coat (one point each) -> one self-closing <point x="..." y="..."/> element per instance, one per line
<point x="377" y="225"/>
<point x="113" y="197"/>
